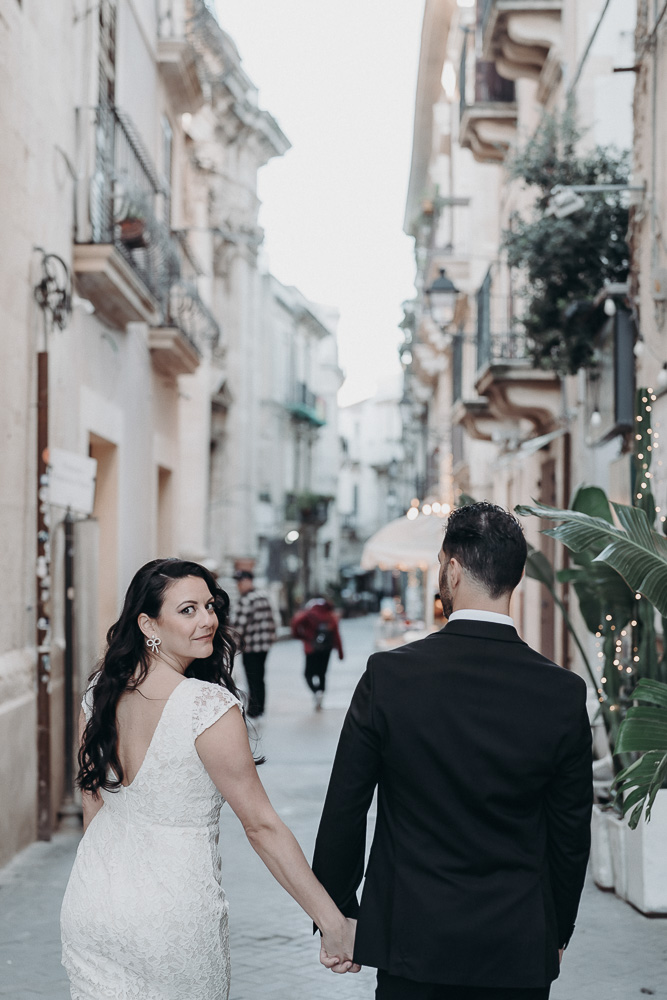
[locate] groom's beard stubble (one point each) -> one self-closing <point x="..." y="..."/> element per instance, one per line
<point x="445" y="593"/>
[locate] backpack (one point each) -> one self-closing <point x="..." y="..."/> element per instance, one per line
<point x="324" y="638"/>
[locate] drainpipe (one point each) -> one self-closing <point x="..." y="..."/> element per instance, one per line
<point x="53" y="295"/>
<point x="42" y="584"/>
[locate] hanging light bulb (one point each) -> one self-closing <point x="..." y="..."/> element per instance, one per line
<point x="596" y="418"/>
<point x="638" y="349"/>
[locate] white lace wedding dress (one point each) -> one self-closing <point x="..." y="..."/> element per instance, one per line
<point x="144" y="915"/>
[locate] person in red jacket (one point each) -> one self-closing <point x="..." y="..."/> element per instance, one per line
<point x="317" y="626"/>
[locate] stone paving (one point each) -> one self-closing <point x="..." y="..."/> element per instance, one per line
<point x="616" y="954"/>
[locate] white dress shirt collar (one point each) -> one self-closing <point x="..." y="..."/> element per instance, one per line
<point x="472" y="614"/>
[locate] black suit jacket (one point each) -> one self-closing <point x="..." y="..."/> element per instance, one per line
<point x="480" y="749"/>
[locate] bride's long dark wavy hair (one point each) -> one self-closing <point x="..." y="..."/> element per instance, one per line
<point x="125" y="665"/>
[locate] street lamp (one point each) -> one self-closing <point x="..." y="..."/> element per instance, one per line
<point x="566" y="198"/>
<point x="441" y="300"/>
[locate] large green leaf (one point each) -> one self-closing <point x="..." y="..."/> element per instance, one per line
<point x="643" y="729"/>
<point x="639" y="784"/>
<point x="635" y="551"/>
<point x="539" y="568"/>
<point x="592" y="500"/>
<point x="651" y="691"/>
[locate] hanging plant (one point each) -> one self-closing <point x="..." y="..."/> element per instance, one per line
<point x="565" y="262"/>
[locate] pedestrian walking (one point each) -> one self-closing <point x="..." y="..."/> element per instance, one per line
<point x="163" y="745"/>
<point x="481" y="752"/>
<point x="317" y="626"/>
<point x="253" y="620"/>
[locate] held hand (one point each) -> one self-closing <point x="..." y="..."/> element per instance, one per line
<point x="337" y="948"/>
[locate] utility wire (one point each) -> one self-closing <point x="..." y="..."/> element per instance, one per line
<point x="582" y="61"/>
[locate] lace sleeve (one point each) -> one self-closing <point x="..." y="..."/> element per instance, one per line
<point x="210" y="704"/>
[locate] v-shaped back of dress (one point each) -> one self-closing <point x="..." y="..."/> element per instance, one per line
<point x="172" y="787"/>
<point x="128" y="784"/>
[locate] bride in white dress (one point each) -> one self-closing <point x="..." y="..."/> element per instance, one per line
<point x="164" y="744"/>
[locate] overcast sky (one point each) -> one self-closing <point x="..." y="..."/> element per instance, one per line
<point x="340" y="79"/>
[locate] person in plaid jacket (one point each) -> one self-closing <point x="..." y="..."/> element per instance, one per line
<point x="253" y="620"/>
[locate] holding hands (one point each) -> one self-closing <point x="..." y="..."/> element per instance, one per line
<point x="338" y="946"/>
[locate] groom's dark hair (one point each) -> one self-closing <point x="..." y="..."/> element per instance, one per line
<point x="488" y="542"/>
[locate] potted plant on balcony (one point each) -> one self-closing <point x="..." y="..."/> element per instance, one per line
<point x="566" y="260"/>
<point x="131" y="215"/>
<point x="308" y="508"/>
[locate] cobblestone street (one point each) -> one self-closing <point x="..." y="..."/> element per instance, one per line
<point x="616" y="953"/>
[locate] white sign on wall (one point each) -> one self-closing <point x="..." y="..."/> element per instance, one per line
<point x="72" y="480"/>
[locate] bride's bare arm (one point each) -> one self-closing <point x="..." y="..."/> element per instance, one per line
<point x="91" y="803"/>
<point x="225" y="753"/>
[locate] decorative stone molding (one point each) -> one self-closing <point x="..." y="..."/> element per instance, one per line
<point x="172" y="353"/>
<point x="489" y="130"/>
<point x="475" y="418"/>
<point x="522" y="37"/>
<point x="177" y="60"/>
<point x="517" y="391"/>
<point x="107" y="280"/>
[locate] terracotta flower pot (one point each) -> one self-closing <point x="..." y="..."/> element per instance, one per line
<point x="133" y="233"/>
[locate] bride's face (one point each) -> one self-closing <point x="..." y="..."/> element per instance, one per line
<point x="187" y="621"/>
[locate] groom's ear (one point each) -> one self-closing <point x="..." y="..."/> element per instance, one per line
<point x="455" y="572"/>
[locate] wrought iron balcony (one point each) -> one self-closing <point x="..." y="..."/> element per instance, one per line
<point x="307" y="508"/>
<point x="306" y="406"/>
<point x="517" y="392"/>
<point x="188" y="326"/>
<point x="500" y="347"/>
<point x="126" y="260"/>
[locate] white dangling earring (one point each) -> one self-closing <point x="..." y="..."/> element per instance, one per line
<point x="153" y="643"/>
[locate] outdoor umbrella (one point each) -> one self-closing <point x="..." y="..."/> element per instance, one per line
<point x="408" y="545"/>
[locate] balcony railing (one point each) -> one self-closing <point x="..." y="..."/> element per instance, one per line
<point x="495" y="348"/>
<point x="307" y="508"/>
<point x="306" y="406"/>
<point x="489" y="86"/>
<point x="121" y="205"/>
<point x="185" y="308"/>
<point x="120" y="201"/>
<point x="501" y="347"/>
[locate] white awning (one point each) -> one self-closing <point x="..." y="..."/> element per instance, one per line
<point x="406" y="545"/>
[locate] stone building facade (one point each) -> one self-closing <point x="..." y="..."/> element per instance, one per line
<point x="490" y="74"/>
<point x="129" y="263"/>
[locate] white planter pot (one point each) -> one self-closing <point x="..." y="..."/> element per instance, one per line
<point x="617" y="831"/>
<point x="601" y="862"/>
<point x="646" y="860"/>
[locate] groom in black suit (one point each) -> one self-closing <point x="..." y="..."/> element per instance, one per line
<point x="480" y="749"/>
